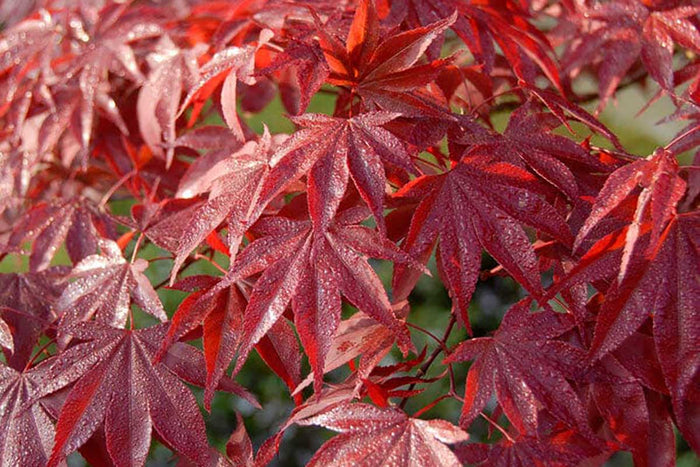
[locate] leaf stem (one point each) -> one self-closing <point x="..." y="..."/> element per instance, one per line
<point x="426" y="366"/>
<point x="498" y="427"/>
<point x="426" y="332"/>
<point x="139" y="239"/>
<point x="115" y="187"/>
<point x="38" y="352"/>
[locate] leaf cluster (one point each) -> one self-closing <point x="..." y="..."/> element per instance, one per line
<point x="149" y="105"/>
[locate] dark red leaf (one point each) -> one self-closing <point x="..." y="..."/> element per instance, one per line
<point x="527" y="367"/>
<point x="310" y="268"/>
<point x="104" y="287"/>
<point x="114" y="370"/>
<point x="396" y="438"/>
<point x="479" y="204"/>
<point x="332" y="150"/>
<point x="27" y="305"/>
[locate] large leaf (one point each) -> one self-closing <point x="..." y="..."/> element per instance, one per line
<point x="234" y="182"/>
<point x="382" y="68"/>
<point x="50" y="225"/>
<point x="27" y="305"/>
<point x="333" y="150"/>
<point x="479" y="204"/>
<point x="310" y="268"/>
<point x="119" y="386"/>
<point x="527" y="367"/>
<point x="104" y="287"/>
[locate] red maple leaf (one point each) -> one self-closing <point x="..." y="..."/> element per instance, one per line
<point x="27" y="305"/>
<point x="163" y="223"/>
<point x="676" y="330"/>
<point x="638" y="418"/>
<point x="528" y="142"/>
<point x="333" y="150"/>
<point x="27" y="434"/>
<point x="227" y="67"/>
<point x="310" y="267"/>
<point x="381" y="68"/>
<point x="527" y="367"/>
<point x="480" y="204"/>
<point x="525" y="451"/>
<point x="396" y="438"/>
<point x="174" y="71"/>
<point x="484" y="25"/>
<point x="234" y="183"/>
<point x="105" y="285"/>
<point x="107" y="47"/>
<point x="357" y="336"/>
<point x="625" y="31"/>
<point x="119" y="386"/>
<point x="49" y="224"/>
<point x="220" y="312"/>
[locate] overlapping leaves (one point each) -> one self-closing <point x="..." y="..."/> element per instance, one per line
<point x="108" y="106"/>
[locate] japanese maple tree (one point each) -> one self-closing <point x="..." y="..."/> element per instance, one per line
<point x="188" y="185"/>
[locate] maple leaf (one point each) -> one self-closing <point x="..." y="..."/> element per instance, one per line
<point x="638" y="417"/>
<point x="27" y="305"/>
<point x="310" y="68"/>
<point x="330" y="397"/>
<point x="106" y="47"/>
<point x="675" y="317"/>
<point x="482" y="26"/>
<point x="310" y="267"/>
<point x="174" y="71"/>
<point x="467" y="213"/>
<point x="220" y="311"/>
<point x="614" y="35"/>
<point x="279" y="349"/>
<point x="648" y="248"/>
<point x="529" y="143"/>
<point x="234" y="183"/>
<point x="26" y="43"/>
<point x="48" y="225"/>
<point x="524" y="451"/>
<point x="628" y="303"/>
<point x="332" y="150"/>
<point x="661" y="190"/>
<point x="239" y="449"/>
<point x="396" y="438"/>
<point x="163" y="223"/>
<point x="103" y="287"/>
<point x="382" y="69"/>
<point x="527" y="368"/>
<point x="27" y="434"/>
<point x="357" y="336"/>
<point x="237" y="63"/>
<point x="114" y="370"/>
